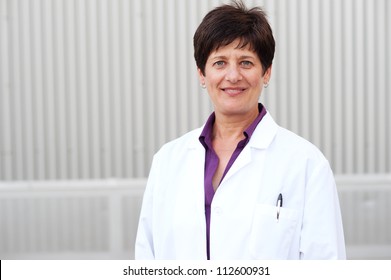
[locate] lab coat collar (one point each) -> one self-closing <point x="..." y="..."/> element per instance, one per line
<point x="264" y="133"/>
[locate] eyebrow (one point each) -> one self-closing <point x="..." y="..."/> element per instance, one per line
<point x="241" y="57"/>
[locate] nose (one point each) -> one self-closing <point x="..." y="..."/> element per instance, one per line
<point x="233" y="74"/>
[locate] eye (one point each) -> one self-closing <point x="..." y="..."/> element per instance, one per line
<point x="219" y="63"/>
<point x="246" y="63"/>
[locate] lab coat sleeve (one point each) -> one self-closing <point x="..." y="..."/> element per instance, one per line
<point x="322" y="234"/>
<point x="144" y="246"/>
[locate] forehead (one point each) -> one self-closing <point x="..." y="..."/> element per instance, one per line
<point x="235" y="47"/>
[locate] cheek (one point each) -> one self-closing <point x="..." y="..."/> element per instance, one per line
<point x="214" y="79"/>
<point x="254" y="78"/>
<point x="256" y="81"/>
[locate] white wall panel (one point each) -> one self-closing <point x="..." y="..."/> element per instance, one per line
<point x="97" y="219"/>
<point x="92" y="88"/>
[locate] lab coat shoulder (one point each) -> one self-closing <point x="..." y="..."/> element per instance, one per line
<point x="293" y="145"/>
<point x="304" y="154"/>
<point x="287" y="152"/>
<point x="180" y="145"/>
<point x="276" y="139"/>
<point x="172" y="154"/>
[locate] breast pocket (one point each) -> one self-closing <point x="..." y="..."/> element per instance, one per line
<point x="272" y="238"/>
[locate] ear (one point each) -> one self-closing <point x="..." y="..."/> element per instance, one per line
<point x="267" y="74"/>
<point x="201" y="76"/>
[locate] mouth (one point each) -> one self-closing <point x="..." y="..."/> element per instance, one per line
<point x="233" y="91"/>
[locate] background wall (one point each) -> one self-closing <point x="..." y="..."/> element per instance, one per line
<point x="90" y="89"/>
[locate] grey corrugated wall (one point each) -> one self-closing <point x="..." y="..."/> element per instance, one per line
<point x="91" y="89"/>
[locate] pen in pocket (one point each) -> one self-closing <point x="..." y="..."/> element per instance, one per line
<point x="279" y="205"/>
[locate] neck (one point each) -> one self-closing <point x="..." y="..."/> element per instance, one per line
<point x="232" y="126"/>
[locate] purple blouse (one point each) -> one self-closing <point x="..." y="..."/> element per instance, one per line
<point x="212" y="162"/>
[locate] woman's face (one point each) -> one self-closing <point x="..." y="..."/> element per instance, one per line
<point x="234" y="80"/>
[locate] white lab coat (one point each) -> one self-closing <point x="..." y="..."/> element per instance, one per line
<point x="244" y="221"/>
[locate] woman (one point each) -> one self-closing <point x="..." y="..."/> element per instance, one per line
<point x="240" y="187"/>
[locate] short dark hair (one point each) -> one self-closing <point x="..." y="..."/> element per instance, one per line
<point x="226" y="23"/>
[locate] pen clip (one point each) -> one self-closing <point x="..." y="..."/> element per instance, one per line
<point x="279" y="205"/>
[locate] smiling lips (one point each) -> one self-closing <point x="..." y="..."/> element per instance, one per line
<point x="233" y="91"/>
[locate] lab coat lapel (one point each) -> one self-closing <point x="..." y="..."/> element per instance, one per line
<point x="243" y="159"/>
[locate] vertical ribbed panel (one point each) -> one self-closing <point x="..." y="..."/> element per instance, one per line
<point x="97" y="219"/>
<point x="91" y="89"/>
<point x="69" y="219"/>
<point x="70" y="224"/>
